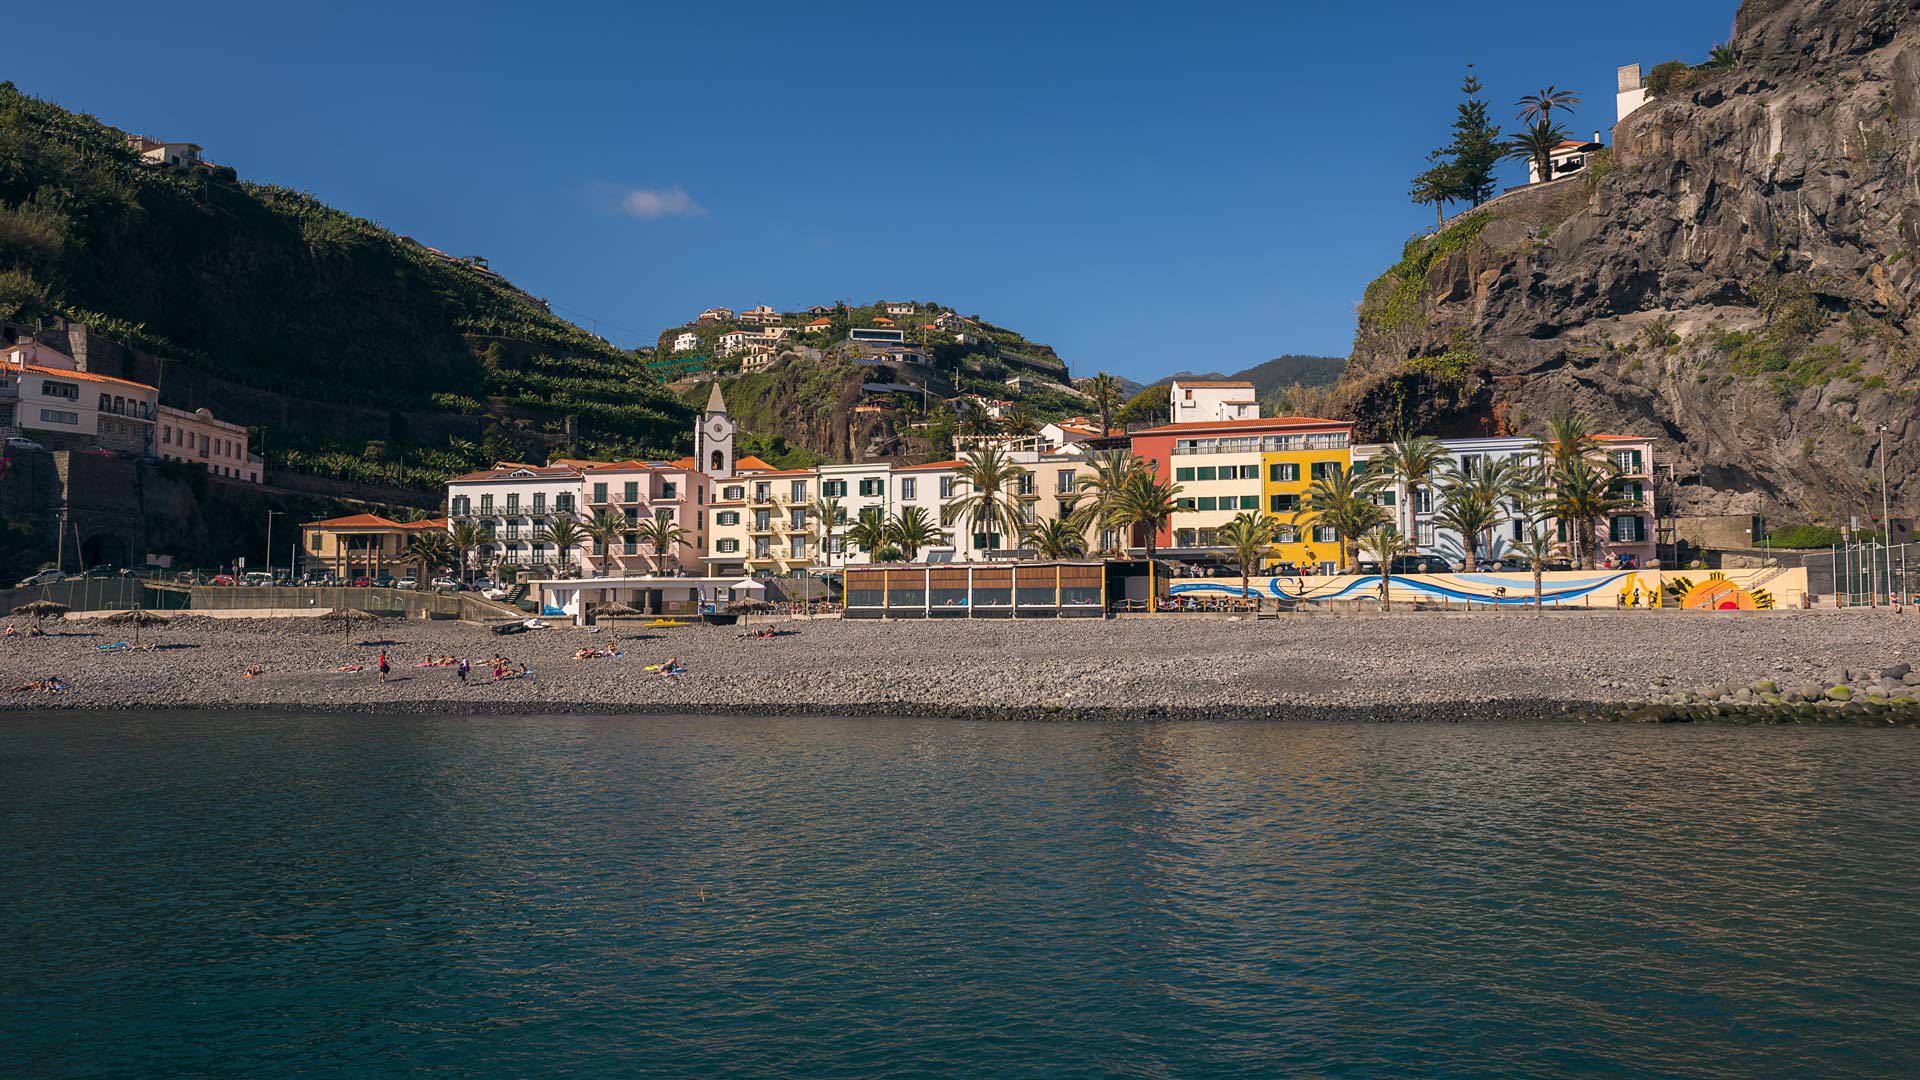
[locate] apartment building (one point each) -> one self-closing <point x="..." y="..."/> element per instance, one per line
<point x="1229" y="467"/>
<point x="863" y="491"/>
<point x="44" y="397"/>
<point x="1194" y="401"/>
<point x="636" y="492"/>
<point x="513" y="504"/>
<point x="199" y="438"/>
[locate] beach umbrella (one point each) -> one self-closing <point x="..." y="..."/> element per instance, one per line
<point x="615" y="607"/>
<point x="749" y="606"/>
<point x="41" y="609"/>
<point x="346" y="614"/>
<point x="133" y="618"/>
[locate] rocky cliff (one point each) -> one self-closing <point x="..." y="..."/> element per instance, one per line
<point x="1738" y="276"/>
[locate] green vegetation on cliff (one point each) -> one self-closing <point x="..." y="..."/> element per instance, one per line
<point x="271" y="288"/>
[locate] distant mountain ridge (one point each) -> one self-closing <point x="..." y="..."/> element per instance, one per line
<point x="1279" y="372"/>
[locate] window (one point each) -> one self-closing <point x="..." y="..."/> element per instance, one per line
<point x="872" y="487"/>
<point x="1209" y="502"/>
<point x="669" y="489"/>
<point x="663" y="514"/>
<point x="1321" y="470"/>
<point x="563" y="503"/>
<point x="1024" y="485"/>
<point x="1205" y="472"/>
<point x="459" y="505"/>
<point x="1423" y="534"/>
<point x="58" y="416"/>
<point x="1627" y="461"/>
<point x="1518" y="527"/>
<point x="513" y="503"/>
<point x="727" y="547"/>
<point x="1283" y="473"/>
<point x="727" y="517"/>
<point x="630" y="544"/>
<point x="1184" y="474"/>
<point x="1064" y="482"/>
<point x="1283" y="504"/>
<point x="1626" y="530"/>
<point x="867" y="513"/>
<point x="539" y="502"/>
<point x="486" y="504"/>
<point x="313" y="541"/>
<point x="797" y="547"/>
<point x="632" y="516"/>
<point x="599" y="493"/>
<point x="797" y="491"/>
<point x="909" y="487"/>
<point x="762" y="520"/>
<point x="1286" y="534"/>
<point x="1249" y="472"/>
<point x="833" y="489"/>
<point x="797" y="518"/>
<point x="762" y="493"/>
<point x="733" y="492"/>
<point x="1184" y="504"/>
<point x="1421" y="500"/>
<point x="948" y="484"/>
<point x="762" y="547"/>
<point x="49" y="388"/>
<point x="1325" y="534"/>
<point x="630" y="491"/>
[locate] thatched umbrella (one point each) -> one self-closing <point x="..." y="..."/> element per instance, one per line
<point x="615" y="607"/>
<point x="134" y="618"/>
<point x="750" y="606"/>
<point x="346" y="615"/>
<point x="41" y="609"/>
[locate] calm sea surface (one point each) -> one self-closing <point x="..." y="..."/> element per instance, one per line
<point x="279" y="895"/>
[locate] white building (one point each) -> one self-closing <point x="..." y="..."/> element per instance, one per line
<point x="863" y="491"/>
<point x="900" y="309"/>
<point x="734" y="341"/>
<point x="715" y="314"/>
<point x="686" y="342"/>
<point x="44" y="397"/>
<point x="1569" y="157"/>
<point x="1632" y="92"/>
<point x="163" y="151"/>
<point x="1461" y="453"/>
<point x="513" y="503"/>
<point x="1193" y="401"/>
<point x="760" y="316"/>
<point x="198" y="438"/>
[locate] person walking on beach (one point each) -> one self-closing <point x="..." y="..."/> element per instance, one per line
<point x="383" y="665"/>
<point x="461" y="672"/>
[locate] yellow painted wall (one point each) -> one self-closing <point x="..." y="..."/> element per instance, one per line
<point x="1304" y="553"/>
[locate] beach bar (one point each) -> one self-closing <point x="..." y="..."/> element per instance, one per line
<point x="576" y="597"/>
<point x="1044" y="590"/>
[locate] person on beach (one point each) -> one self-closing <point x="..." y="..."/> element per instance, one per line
<point x="383" y="665"/>
<point x="11" y="632"/>
<point x="460" y="672"/>
<point x="253" y="671"/>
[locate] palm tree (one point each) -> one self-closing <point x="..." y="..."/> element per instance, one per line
<point x="1021" y="420"/>
<point x="1569" y="436"/>
<point x="1099" y="490"/>
<point x="431" y="548"/>
<point x="869" y="534"/>
<point x="1248" y="536"/>
<point x="1469" y="513"/>
<point x="1473" y="494"/>
<point x="664" y="536"/>
<point x="1104" y="389"/>
<point x="826" y="518"/>
<point x="466" y="537"/>
<point x="1724" y="57"/>
<point x="1342" y="500"/>
<point x="1537" y="548"/>
<point x="1584" y="493"/>
<point x="912" y="531"/>
<point x="1385" y="543"/>
<point x="972" y="418"/>
<point x="1537" y="144"/>
<point x="565" y="534"/>
<point x="1411" y="462"/>
<point x="1146" y="502"/>
<point x="1538" y="108"/>
<point x="1056" y="538"/>
<point x="605" y="528"/>
<point x="989" y="503"/>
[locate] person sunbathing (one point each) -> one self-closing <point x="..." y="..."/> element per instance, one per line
<point x="345" y="669"/>
<point x="252" y="671"/>
<point x="11" y="632"/>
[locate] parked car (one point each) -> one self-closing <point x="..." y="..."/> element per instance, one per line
<point x="221" y="579"/>
<point x="257" y="577"/>
<point x="483" y="584"/>
<point x="446" y="583"/>
<point x="384" y="581"/>
<point x="15" y="442"/>
<point x="44" y="577"/>
<point x="408" y="582"/>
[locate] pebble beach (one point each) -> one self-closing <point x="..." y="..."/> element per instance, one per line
<point x="1412" y="666"/>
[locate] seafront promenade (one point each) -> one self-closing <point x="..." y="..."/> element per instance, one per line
<point x="1416" y="665"/>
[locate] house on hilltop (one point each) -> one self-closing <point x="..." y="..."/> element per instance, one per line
<point x="164" y="152"/>
<point x="1569" y="157"/>
<point x="1194" y="400"/>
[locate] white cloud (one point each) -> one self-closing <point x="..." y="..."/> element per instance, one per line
<point x="647" y="204"/>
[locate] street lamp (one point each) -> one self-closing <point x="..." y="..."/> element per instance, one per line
<point x="1886" y="522"/>
<point x="271" y="514"/>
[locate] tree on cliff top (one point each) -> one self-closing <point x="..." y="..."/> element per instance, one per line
<point x="1462" y="170"/>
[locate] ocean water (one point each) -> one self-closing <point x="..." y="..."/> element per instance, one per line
<point x="299" y="896"/>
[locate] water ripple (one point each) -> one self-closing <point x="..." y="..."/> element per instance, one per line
<point x="350" y="896"/>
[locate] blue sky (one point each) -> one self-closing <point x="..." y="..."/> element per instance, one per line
<point x="1148" y="190"/>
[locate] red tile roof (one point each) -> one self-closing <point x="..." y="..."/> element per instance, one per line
<point x="354" y="521"/>
<point x="751" y="464"/>
<point x="82" y="376"/>
<point x="954" y="464"/>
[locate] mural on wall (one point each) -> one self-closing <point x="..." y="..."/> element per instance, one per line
<point x="1718" y="593"/>
<point x="1644" y="589"/>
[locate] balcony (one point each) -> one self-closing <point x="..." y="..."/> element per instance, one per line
<point x="767" y="528"/>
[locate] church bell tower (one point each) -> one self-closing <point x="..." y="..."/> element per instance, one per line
<point x="713" y="439"/>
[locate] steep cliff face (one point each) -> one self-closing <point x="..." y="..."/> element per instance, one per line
<point x="1739" y="276"/>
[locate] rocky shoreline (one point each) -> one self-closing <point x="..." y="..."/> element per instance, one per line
<point x="1506" y="666"/>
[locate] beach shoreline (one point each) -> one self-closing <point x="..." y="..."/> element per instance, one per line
<point x="1490" y="665"/>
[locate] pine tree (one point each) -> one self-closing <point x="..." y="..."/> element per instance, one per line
<point x="1476" y="148"/>
<point x="1438" y="185"/>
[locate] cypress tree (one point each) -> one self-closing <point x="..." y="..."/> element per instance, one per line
<point x="1476" y="149"/>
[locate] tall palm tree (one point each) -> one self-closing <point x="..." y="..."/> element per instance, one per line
<point x="1146" y="502"/>
<point x="1385" y="543"/>
<point x="1568" y="436"/>
<point x="605" y="528"/>
<point x="1099" y="490"/>
<point x="912" y="531"/>
<point x="826" y="518"/>
<point x="664" y="537"/>
<point x="1056" y="538"/>
<point x="566" y="536"/>
<point x="1539" y="108"/>
<point x="431" y="548"/>
<point x="1469" y="512"/>
<point x="1104" y="389"/>
<point x="466" y="537"/>
<point x="989" y="502"/>
<point x="1021" y="420"/>
<point x="1536" y="548"/>
<point x="1537" y="144"/>
<point x="1583" y="494"/>
<point x="1248" y="536"/>
<point x="1410" y="462"/>
<point x="869" y="534"/>
<point x="972" y="418"/>
<point x="1342" y="500"/>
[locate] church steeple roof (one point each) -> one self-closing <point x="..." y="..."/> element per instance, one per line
<point x="716" y="403"/>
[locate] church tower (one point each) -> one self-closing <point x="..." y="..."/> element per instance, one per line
<point x="713" y="439"/>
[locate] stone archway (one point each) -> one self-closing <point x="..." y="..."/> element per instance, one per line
<point x="106" y="549"/>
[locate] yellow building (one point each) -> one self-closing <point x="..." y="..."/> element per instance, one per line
<point x="361" y="546"/>
<point x="1288" y="471"/>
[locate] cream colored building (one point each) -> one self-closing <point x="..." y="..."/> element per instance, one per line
<point x="200" y="439"/>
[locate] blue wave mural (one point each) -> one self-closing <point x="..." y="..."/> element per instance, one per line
<point x="1518" y="590"/>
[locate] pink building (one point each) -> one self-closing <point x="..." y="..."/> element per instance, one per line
<point x="1629" y="533"/>
<point x="638" y="491"/>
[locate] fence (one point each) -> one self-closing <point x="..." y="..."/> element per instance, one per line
<point x="1866" y="574"/>
<point x="120" y="594"/>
